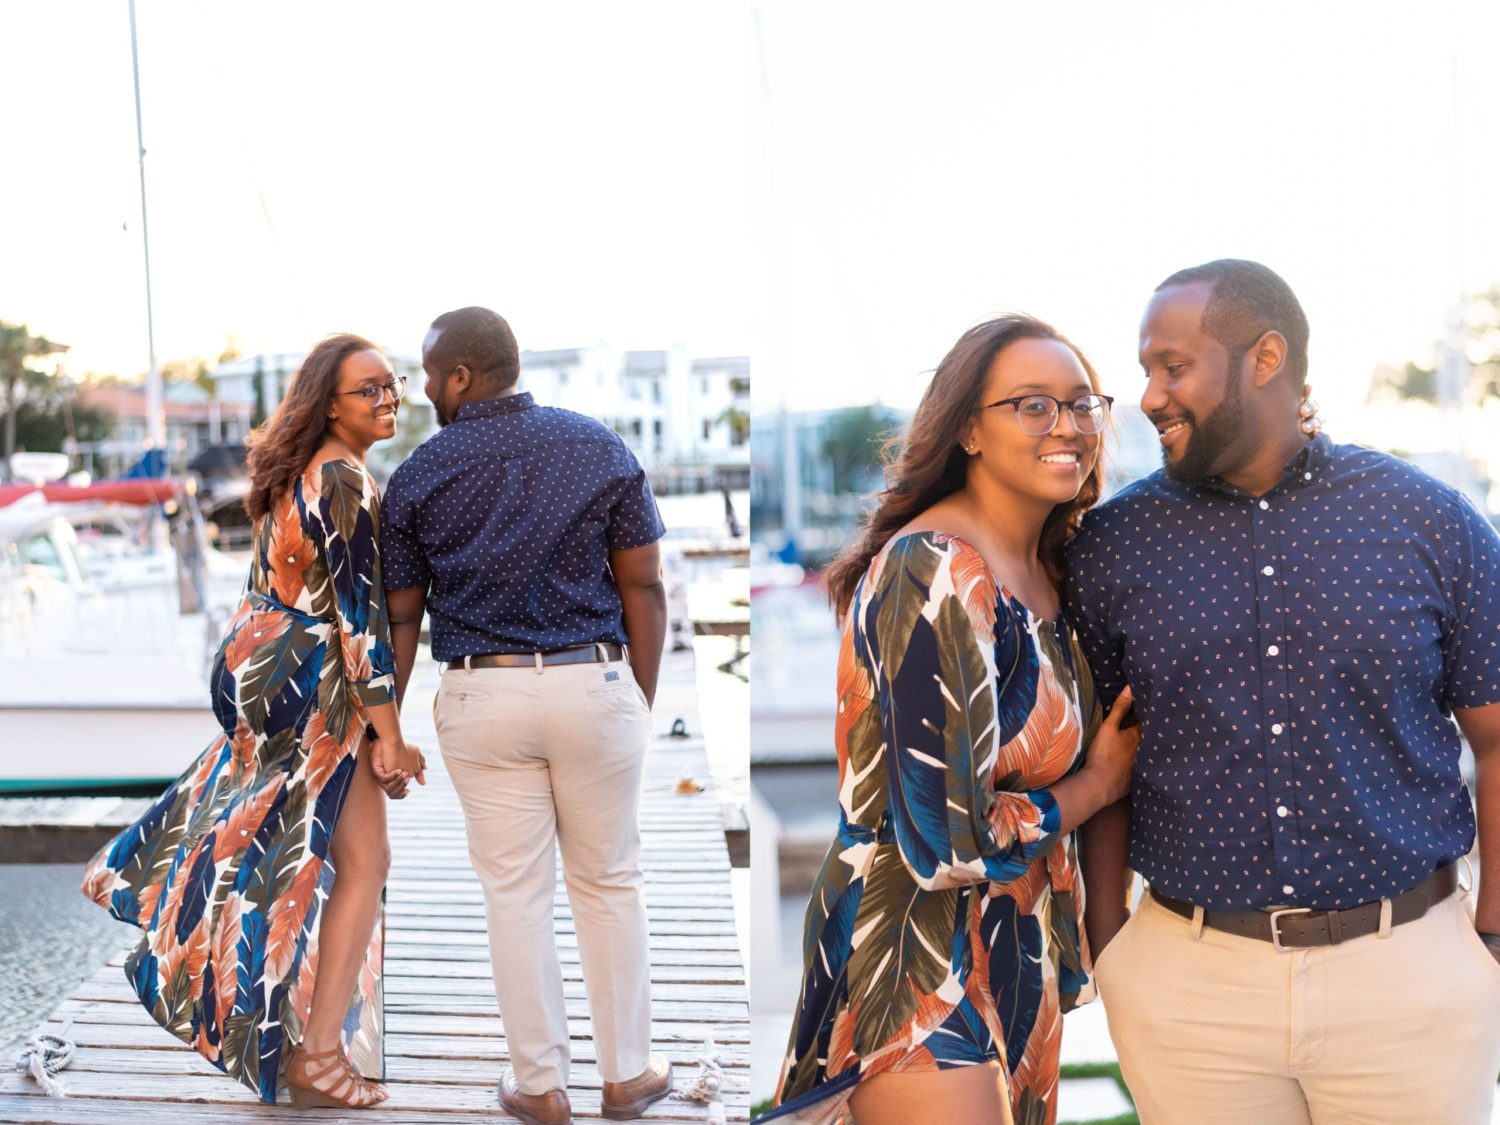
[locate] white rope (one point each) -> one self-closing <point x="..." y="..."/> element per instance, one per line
<point x="706" y="1085"/>
<point x="43" y="1056"/>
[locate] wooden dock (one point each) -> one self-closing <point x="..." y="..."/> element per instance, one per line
<point x="445" y="1041"/>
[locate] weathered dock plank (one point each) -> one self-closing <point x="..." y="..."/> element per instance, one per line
<point x="445" y="1044"/>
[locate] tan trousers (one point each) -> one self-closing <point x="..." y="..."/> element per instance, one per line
<point x="1222" y="1030"/>
<point x="544" y="758"/>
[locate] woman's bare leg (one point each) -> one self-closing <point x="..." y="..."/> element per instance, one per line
<point x="975" y="1095"/>
<point x="361" y="860"/>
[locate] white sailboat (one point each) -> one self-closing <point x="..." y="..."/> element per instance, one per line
<point x="103" y="678"/>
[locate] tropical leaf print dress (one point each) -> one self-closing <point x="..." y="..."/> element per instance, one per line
<point x="944" y="928"/>
<point x="226" y="872"/>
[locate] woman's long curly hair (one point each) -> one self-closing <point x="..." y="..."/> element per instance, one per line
<point x="930" y="463"/>
<point x="282" y="447"/>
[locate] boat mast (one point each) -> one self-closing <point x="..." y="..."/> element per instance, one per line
<point x="156" y="423"/>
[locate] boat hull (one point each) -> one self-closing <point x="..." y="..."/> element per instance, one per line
<point x="98" y="749"/>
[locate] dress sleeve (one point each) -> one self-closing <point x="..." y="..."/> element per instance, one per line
<point x="940" y="709"/>
<point x="349" y="511"/>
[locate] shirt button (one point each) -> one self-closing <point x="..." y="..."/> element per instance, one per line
<point x="1276" y="728"/>
<point x="1272" y="650"/>
<point x="1307" y="476"/>
<point x="1281" y="810"/>
<point x="1288" y="889"/>
<point x="1268" y="570"/>
<point x="1265" y="506"/>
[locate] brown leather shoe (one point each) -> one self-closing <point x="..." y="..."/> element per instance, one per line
<point x="551" y="1108"/>
<point x="626" y="1100"/>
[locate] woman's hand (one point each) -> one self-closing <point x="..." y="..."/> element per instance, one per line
<point x="388" y="779"/>
<point x="408" y="761"/>
<point x="1112" y="753"/>
<point x="395" y="766"/>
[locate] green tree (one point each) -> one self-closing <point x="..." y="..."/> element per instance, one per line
<point x="852" y="441"/>
<point x="1482" y="341"/>
<point x="18" y="347"/>
<point x="51" y="417"/>
<point x="738" y="421"/>
<point x="1409" y="382"/>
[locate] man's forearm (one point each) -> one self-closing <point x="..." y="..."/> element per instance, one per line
<point x="1103" y="857"/>
<point x="1481" y="726"/>
<point x="644" y="609"/>
<point x="1487" y="806"/>
<point x="406" y="637"/>
<point x="405" y="609"/>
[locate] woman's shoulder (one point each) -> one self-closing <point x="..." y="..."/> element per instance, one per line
<point x="941" y="564"/>
<point x="323" y="475"/>
<point x="932" y="550"/>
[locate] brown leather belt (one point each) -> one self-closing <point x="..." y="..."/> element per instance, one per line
<point x="1299" y="927"/>
<point x="580" y="654"/>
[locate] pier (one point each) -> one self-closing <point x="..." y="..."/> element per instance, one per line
<point x="445" y="1038"/>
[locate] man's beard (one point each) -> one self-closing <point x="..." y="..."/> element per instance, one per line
<point x="1208" y="439"/>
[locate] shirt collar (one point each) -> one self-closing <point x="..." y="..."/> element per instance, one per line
<point x="1304" y="469"/>
<point x="500" y="404"/>
<point x="1310" y="464"/>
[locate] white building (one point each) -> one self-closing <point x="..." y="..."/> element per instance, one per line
<point x="687" y="419"/>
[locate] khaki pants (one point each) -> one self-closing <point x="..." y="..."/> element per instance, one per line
<point x="543" y="758"/>
<point x="1223" y="1030"/>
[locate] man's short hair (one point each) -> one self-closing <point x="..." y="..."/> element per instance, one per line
<point x="1247" y="301"/>
<point x="480" y="340"/>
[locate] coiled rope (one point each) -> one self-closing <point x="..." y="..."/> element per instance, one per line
<point x="707" y="1085"/>
<point x="43" y="1055"/>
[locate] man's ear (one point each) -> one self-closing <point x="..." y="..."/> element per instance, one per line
<point x="464" y="378"/>
<point x="1269" y="356"/>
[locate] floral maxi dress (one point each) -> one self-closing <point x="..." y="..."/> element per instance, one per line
<point x="226" y="872"/>
<point x="944" y="929"/>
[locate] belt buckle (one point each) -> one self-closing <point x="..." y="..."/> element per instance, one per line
<point x="1276" y="915"/>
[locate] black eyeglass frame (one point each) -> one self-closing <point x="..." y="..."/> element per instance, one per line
<point x="396" y="388"/>
<point x="1057" y="408"/>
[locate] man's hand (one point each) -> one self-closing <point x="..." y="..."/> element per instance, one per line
<point x="643" y="607"/>
<point x="393" y="781"/>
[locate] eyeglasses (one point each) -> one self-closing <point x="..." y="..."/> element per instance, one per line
<point x="1038" y="413"/>
<point x="374" y="392"/>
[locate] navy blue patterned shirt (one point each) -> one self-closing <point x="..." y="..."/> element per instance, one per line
<point x="507" y="517"/>
<point x="1294" y="659"/>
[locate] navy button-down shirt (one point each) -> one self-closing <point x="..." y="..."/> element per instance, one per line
<point x="507" y="517"/>
<point x="1294" y="659"/>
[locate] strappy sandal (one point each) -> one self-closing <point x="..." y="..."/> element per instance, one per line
<point x="308" y="1075"/>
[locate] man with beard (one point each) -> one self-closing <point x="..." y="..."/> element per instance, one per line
<point x="530" y="533"/>
<point x="1300" y="622"/>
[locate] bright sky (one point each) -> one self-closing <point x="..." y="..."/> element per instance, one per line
<point x="585" y="169"/>
<point x="930" y="170"/>
<point x="840" y="187"/>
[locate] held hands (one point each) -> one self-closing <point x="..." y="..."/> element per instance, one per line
<point x="394" y="767"/>
<point x="1112" y="753"/>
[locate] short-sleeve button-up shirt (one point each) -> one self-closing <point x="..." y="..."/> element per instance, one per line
<point x="1294" y="658"/>
<point x="506" y="517"/>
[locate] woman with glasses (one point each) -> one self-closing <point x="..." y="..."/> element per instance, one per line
<point x="943" y="938"/>
<point x="257" y="877"/>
